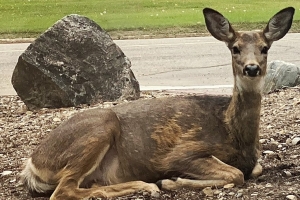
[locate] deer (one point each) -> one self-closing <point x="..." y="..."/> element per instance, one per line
<point x="191" y="141"/>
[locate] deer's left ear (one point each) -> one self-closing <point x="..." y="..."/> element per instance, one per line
<point x="279" y="24"/>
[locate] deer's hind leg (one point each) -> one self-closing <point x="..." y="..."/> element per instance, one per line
<point x="85" y="155"/>
<point x="69" y="186"/>
<point x="205" y="172"/>
<point x="90" y="151"/>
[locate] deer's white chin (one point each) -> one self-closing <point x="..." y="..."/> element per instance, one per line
<point x="250" y="84"/>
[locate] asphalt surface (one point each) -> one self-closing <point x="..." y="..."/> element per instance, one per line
<point x="199" y="64"/>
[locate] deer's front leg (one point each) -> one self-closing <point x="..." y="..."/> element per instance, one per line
<point x="205" y="172"/>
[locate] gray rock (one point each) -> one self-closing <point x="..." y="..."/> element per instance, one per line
<point x="74" y="62"/>
<point x="281" y="74"/>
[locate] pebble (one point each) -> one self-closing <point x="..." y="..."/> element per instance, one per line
<point x="239" y="195"/>
<point x="231" y="185"/>
<point x="208" y="191"/>
<point x="268" y="152"/>
<point x="296" y="141"/>
<point x="254" y="194"/>
<point x="217" y="192"/>
<point x="291" y="197"/>
<point x="294" y="156"/>
<point x="29" y="113"/>
<point x="241" y="191"/>
<point x="56" y="119"/>
<point x="5" y="173"/>
<point x="269" y="185"/>
<point x="262" y="141"/>
<point x="287" y="173"/>
<point x="288" y="141"/>
<point x="231" y="193"/>
<point x="155" y="194"/>
<point x="269" y="126"/>
<point x="272" y="140"/>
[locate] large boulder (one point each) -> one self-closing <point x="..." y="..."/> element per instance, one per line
<point x="74" y="62"/>
<point x="281" y="74"/>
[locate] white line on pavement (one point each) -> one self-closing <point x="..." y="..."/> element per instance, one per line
<point x="9" y="51"/>
<point x="145" y="88"/>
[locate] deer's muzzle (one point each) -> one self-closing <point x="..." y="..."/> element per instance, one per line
<point x="252" y="70"/>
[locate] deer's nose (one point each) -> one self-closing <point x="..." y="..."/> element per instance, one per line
<point x="252" y="70"/>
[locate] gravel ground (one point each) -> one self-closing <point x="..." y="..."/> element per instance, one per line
<point x="22" y="130"/>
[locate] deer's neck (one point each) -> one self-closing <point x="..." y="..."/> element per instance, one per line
<point x="243" y="116"/>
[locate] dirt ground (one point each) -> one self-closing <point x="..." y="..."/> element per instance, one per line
<point x="22" y="130"/>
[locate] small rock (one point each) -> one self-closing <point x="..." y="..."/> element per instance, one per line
<point x="254" y="194"/>
<point x="268" y="152"/>
<point x="281" y="93"/>
<point x="291" y="197"/>
<point x="296" y="141"/>
<point x="287" y="173"/>
<point x="56" y="119"/>
<point x="241" y="191"/>
<point x="155" y="194"/>
<point x="269" y="185"/>
<point x="269" y="126"/>
<point x="274" y="141"/>
<point x="5" y="173"/>
<point x="288" y="141"/>
<point x="231" y="185"/>
<point x="217" y="192"/>
<point x="239" y="195"/>
<point x="13" y="180"/>
<point x="208" y="191"/>
<point x="231" y="193"/>
<point x="29" y="113"/>
<point x="262" y="141"/>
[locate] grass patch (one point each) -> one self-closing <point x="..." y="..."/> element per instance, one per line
<point x="29" y="18"/>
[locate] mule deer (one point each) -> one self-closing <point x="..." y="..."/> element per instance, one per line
<point x="201" y="140"/>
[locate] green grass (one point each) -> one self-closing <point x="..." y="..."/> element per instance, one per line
<point x="32" y="17"/>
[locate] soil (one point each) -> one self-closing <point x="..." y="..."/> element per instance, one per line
<point x="22" y="130"/>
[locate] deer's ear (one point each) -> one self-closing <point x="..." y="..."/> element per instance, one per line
<point x="218" y="25"/>
<point x="279" y="24"/>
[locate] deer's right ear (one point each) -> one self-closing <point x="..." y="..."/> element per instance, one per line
<point x="218" y="25"/>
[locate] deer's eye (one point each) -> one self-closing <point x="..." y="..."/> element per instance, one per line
<point x="264" y="50"/>
<point x="235" y="50"/>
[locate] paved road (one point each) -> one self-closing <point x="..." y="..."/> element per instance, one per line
<point x="198" y="62"/>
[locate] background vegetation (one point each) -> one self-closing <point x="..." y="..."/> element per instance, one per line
<point x="28" y="18"/>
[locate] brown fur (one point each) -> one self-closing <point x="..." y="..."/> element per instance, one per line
<point x="202" y="140"/>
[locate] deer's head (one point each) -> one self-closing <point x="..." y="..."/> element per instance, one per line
<point x="249" y="49"/>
